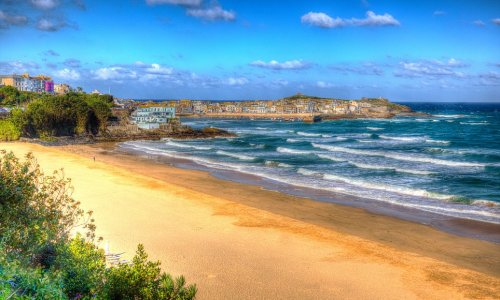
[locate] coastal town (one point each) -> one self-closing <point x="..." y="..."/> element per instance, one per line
<point x="151" y="114"/>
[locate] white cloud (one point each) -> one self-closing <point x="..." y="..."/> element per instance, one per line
<point x="373" y="19"/>
<point x="212" y="13"/>
<point x="452" y="63"/>
<point x="479" y="23"/>
<point x="323" y="20"/>
<point x="496" y="21"/>
<point x="491" y="78"/>
<point x="276" y="65"/>
<point x="193" y="3"/>
<point x="433" y="68"/>
<point x="324" y="85"/>
<point x="8" y="19"/>
<point x="17" y="67"/>
<point x="114" y="73"/>
<point x="159" y="70"/>
<point x="236" y="81"/>
<point x="68" y="74"/>
<point x="46" y="24"/>
<point x="45" y="4"/>
<point x="320" y="19"/>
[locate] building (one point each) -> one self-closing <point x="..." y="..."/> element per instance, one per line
<point x="152" y="117"/>
<point x="61" y="88"/>
<point x="49" y="87"/>
<point x="27" y="83"/>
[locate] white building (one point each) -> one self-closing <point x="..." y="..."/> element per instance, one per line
<point x="152" y="117"/>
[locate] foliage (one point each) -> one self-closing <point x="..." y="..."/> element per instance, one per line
<point x="8" y="131"/>
<point x="39" y="259"/>
<point x="24" y="282"/>
<point x="36" y="210"/>
<point x="143" y="279"/>
<point x="63" y="115"/>
<point x="301" y="96"/>
<point x="9" y="96"/>
<point x="83" y="268"/>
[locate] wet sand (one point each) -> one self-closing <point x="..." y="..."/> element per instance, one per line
<point x="240" y="241"/>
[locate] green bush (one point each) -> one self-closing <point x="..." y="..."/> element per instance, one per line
<point x="18" y="281"/>
<point x="83" y="268"/>
<point x="143" y="279"/>
<point x="40" y="260"/>
<point x="36" y="210"/>
<point x="8" y="131"/>
<point x="71" y="114"/>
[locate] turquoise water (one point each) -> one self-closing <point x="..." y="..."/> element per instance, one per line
<point x="447" y="164"/>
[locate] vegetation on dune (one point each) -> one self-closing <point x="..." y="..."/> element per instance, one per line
<point x="41" y="259"/>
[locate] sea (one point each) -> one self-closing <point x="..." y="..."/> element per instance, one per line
<point x="446" y="165"/>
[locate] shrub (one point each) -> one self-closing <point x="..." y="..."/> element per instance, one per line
<point x="39" y="260"/>
<point x="83" y="268"/>
<point x="23" y="282"/>
<point x="143" y="279"/>
<point x="8" y="131"/>
<point x="35" y="210"/>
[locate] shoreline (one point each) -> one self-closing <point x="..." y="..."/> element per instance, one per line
<point x="319" y="243"/>
<point x="469" y="228"/>
<point x="299" y="207"/>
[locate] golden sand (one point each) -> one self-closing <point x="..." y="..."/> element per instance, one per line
<point x="239" y="241"/>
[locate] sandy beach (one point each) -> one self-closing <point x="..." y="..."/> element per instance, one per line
<point x="239" y="241"/>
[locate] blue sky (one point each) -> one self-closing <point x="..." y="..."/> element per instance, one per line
<point x="254" y="49"/>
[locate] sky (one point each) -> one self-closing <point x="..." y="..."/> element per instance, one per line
<point x="441" y="50"/>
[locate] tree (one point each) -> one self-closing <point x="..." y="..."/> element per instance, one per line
<point x="35" y="210"/>
<point x="83" y="268"/>
<point x="8" y="95"/>
<point x="143" y="279"/>
<point x="39" y="259"/>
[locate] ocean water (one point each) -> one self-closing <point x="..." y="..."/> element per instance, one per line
<point x="447" y="164"/>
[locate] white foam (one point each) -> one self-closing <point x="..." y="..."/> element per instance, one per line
<point x="381" y="167"/>
<point x="404" y="157"/>
<point x="293" y="141"/>
<point x="333" y="158"/>
<point x="179" y="145"/>
<point x="258" y="146"/>
<point x="365" y="141"/>
<point x="308" y="134"/>
<point x="401" y="138"/>
<point x="375" y="128"/>
<point x="450" y="116"/>
<point x="437" y="141"/>
<point x="387" y="187"/>
<point x="234" y="155"/>
<point x="474" y="123"/>
<point x="292" y="151"/>
<point x="277" y="164"/>
<point x="307" y="172"/>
